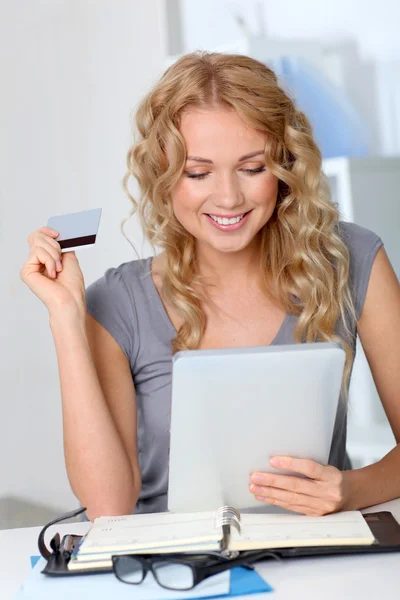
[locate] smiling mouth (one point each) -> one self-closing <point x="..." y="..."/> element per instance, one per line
<point x="228" y="220"/>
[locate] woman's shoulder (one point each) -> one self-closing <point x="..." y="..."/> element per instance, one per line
<point x="115" y="299"/>
<point x="362" y="244"/>
<point x="127" y="275"/>
<point x="130" y="270"/>
<point x="358" y="239"/>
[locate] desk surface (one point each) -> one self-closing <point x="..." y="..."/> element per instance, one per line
<point x="361" y="577"/>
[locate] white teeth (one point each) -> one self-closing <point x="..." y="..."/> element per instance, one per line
<point x="225" y="221"/>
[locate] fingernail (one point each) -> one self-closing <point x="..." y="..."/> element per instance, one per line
<point x="275" y="462"/>
<point x="257" y="478"/>
<point x="53" y="274"/>
<point x="59" y="265"/>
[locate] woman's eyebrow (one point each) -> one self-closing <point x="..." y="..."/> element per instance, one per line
<point x="241" y="159"/>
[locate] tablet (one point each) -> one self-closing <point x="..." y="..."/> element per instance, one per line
<point x="233" y="409"/>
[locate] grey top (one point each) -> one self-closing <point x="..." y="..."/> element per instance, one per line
<point x="126" y="302"/>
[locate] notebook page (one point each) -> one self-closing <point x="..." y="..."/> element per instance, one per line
<point x="155" y="531"/>
<point x="103" y="559"/>
<point x="282" y="531"/>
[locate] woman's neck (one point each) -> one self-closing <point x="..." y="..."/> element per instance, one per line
<point x="228" y="269"/>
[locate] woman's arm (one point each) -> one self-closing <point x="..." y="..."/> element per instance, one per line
<point x="327" y="489"/>
<point x="99" y="416"/>
<point x="98" y="396"/>
<point x="379" y="331"/>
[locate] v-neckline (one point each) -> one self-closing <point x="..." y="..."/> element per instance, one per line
<point x="166" y="318"/>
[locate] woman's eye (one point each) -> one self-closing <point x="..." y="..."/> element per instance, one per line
<point x="254" y="171"/>
<point x="196" y="175"/>
<point x="204" y="175"/>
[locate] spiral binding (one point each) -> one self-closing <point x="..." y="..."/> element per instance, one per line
<point x="227" y="517"/>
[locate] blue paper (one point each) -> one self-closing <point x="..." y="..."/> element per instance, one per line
<point x="243" y="581"/>
<point x="104" y="586"/>
<point x="34" y="560"/>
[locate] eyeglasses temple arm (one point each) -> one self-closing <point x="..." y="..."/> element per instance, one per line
<point x="240" y="561"/>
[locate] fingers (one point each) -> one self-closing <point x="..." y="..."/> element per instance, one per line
<point x="322" y="492"/>
<point x="302" y="509"/>
<point x="51" y="234"/>
<point x="49" y="231"/>
<point x="310" y="468"/>
<point x="44" y="251"/>
<point x="41" y="236"/>
<point x="290" y="500"/>
<point x="285" y="482"/>
<point x="46" y="258"/>
<point x="48" y="240"/>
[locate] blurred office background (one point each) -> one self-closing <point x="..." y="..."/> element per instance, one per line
<point x="71" y="72"/>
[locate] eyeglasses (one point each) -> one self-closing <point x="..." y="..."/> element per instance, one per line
<point x="179" y="571"/>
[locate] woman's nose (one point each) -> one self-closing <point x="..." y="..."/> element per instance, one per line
<point x="228" y="193"/>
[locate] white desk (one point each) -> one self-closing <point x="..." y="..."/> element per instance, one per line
<point x="361" y="577"/>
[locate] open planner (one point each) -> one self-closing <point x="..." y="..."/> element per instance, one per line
<point x="224" y="530"/>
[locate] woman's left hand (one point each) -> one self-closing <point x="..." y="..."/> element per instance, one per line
<point x="325" y="491"/>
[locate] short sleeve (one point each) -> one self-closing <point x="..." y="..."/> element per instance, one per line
<point x="109" y="301"/>
<point x="363" y="245"/>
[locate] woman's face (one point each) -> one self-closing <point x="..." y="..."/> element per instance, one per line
<point x="226" y="194"/>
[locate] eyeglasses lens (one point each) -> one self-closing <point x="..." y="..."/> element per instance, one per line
<point x="174" y="576"/>
<point x="129" y="569"/>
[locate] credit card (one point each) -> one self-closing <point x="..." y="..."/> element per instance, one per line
<point x="77" y="230"/>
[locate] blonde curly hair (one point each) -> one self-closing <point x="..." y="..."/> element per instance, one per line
<point x="304" y="264"/>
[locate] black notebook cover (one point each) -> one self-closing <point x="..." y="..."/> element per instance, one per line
<point x="383" y="525"/>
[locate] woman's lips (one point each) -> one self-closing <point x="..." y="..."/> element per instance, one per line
<point x="230" y="226"/>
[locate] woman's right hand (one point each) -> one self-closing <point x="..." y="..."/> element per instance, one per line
<point x="55" y="278"/>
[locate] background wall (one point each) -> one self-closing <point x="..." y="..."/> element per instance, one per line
<point x="71" y="72"/>
<point x="212" y="22"/>
<point x="366" y="35"/>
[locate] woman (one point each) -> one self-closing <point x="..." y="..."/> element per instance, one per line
<point x="252" y="254"/>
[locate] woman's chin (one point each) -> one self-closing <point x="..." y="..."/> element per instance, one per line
<point x="229" y="246"/>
